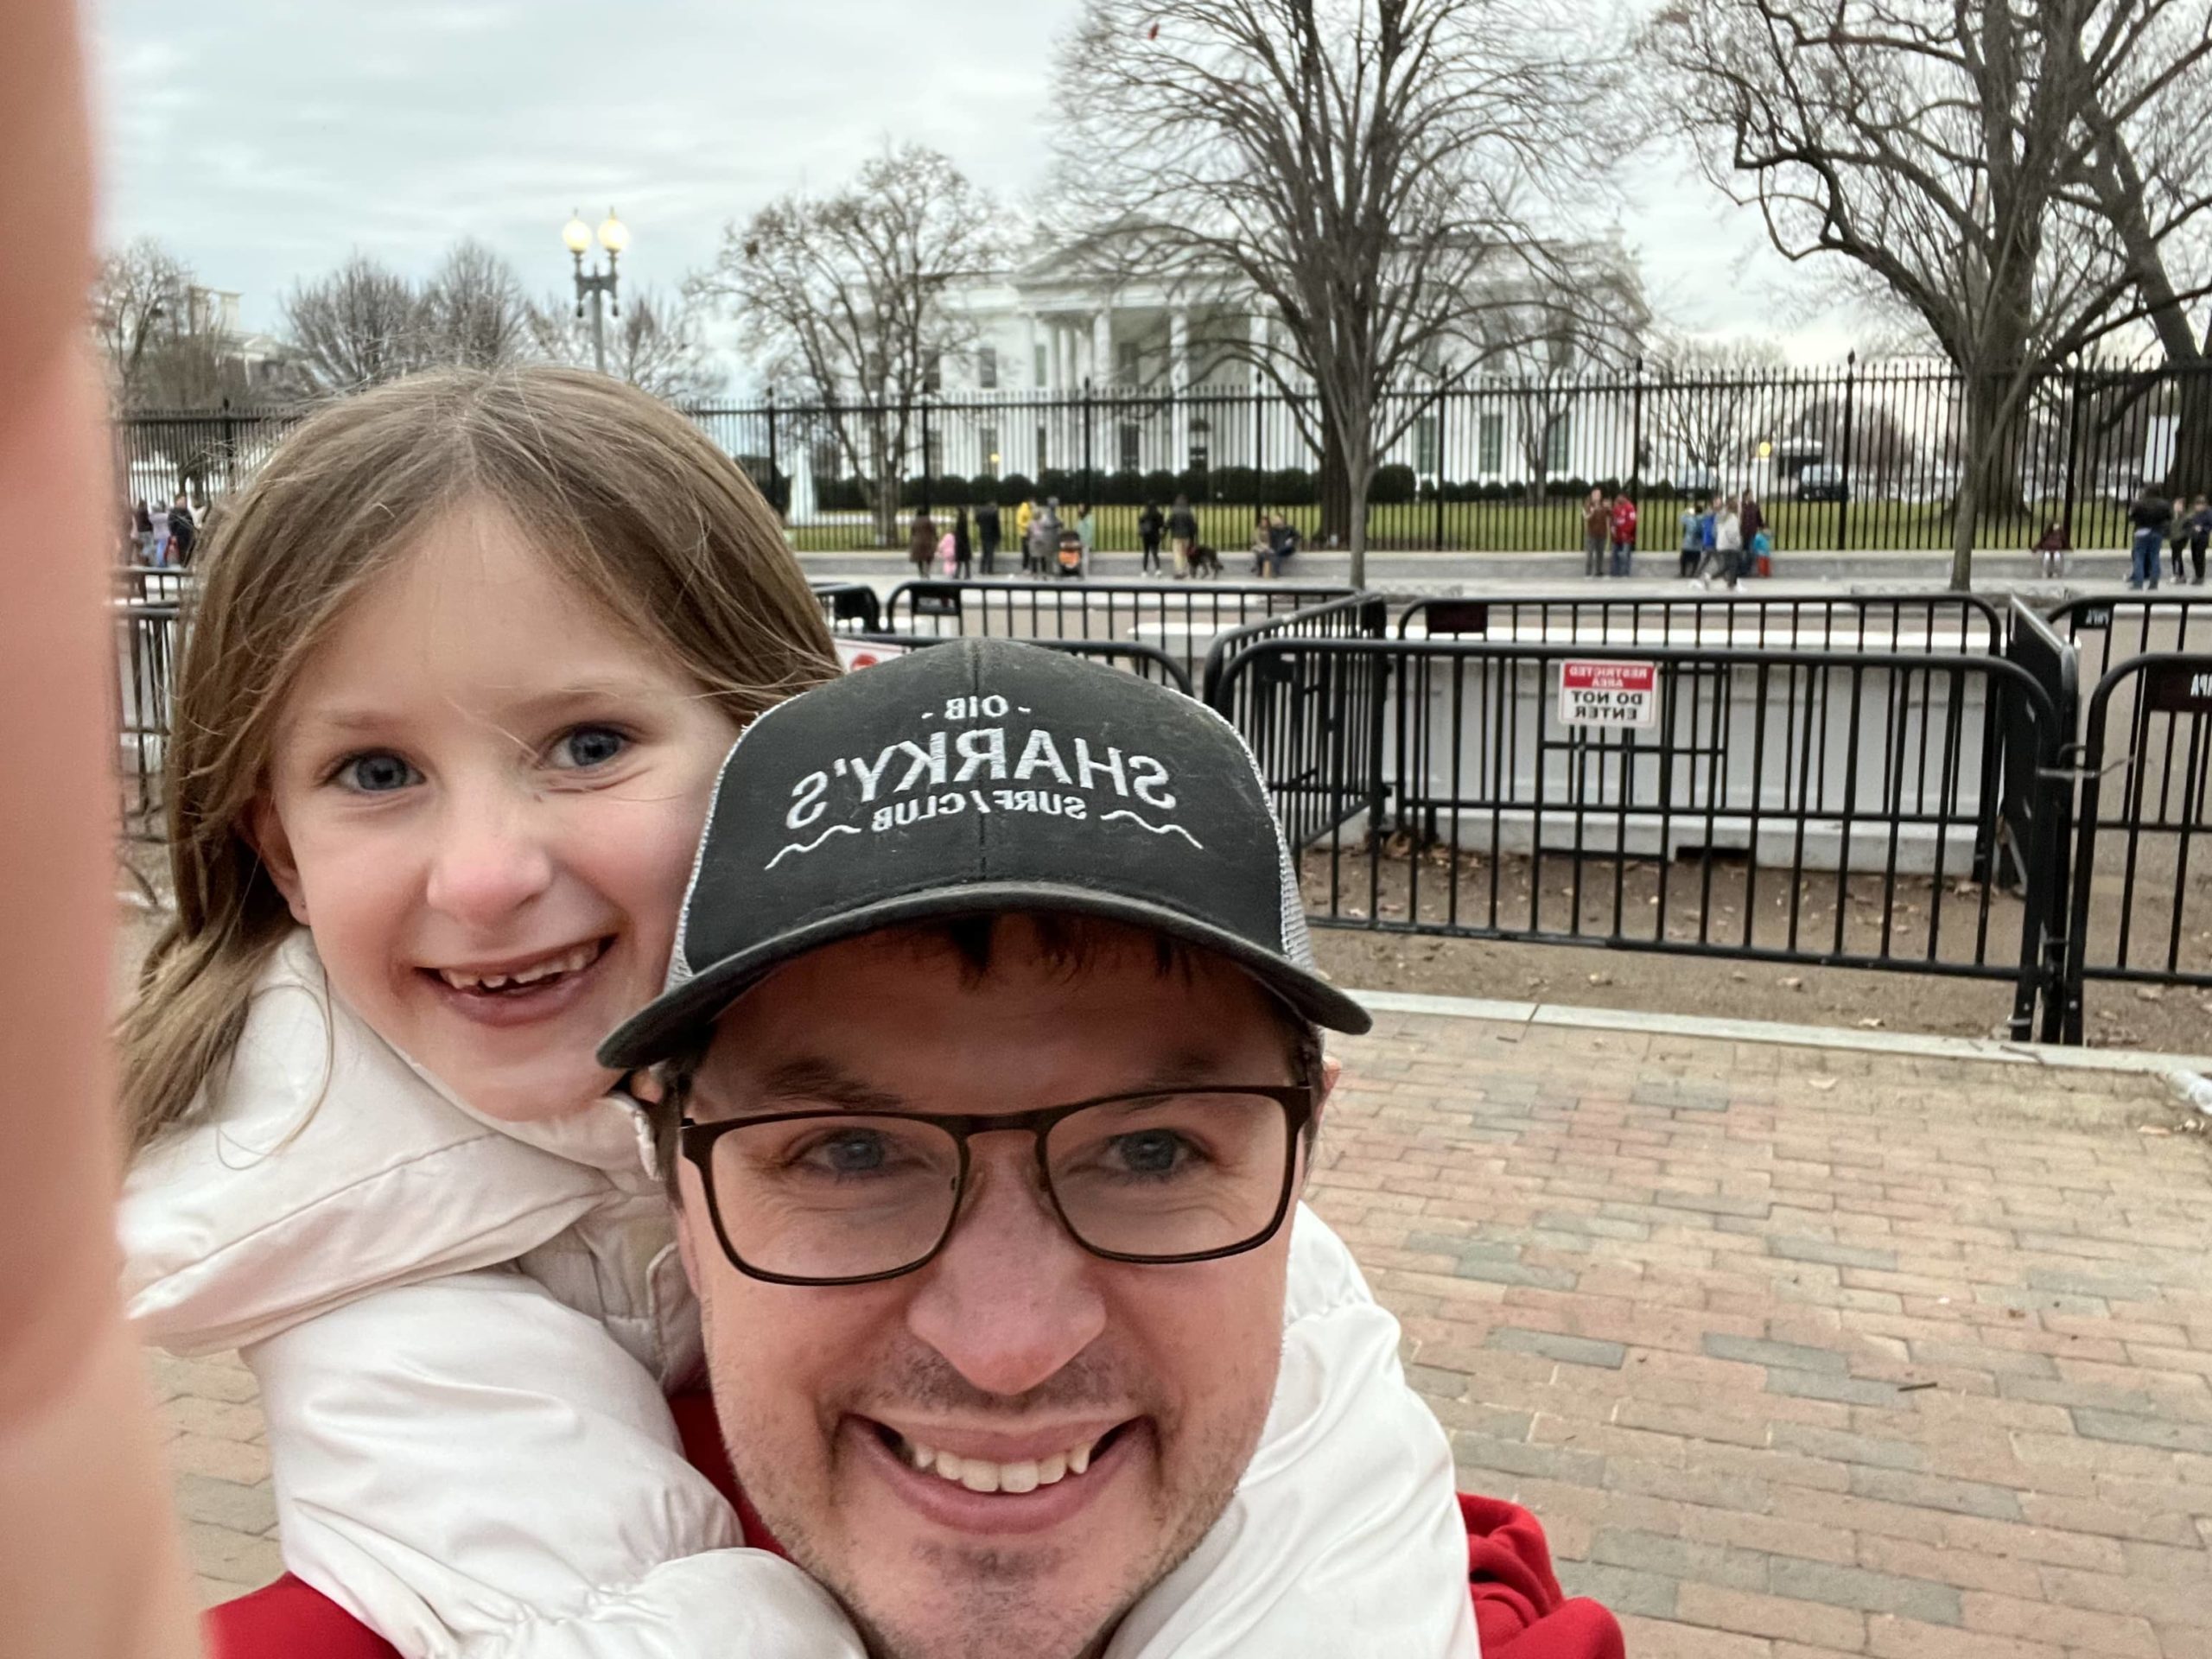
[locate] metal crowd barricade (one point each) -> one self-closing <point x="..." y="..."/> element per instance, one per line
<point x="2145" y="819"/>
<point x="1932" y="622"/>
<point x="2108" y="631"/>
<point x="1821" y="807"/>
<point x="1182" y="619"/>
<point x="1323" y="734"/>
<point x="848" y="606"/>
<point x="149" y="641"/>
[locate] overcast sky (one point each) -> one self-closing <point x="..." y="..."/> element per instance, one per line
<point x="265" y="140"/>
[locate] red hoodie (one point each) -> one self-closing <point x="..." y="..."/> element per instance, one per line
<point x="1520" y="1611"/>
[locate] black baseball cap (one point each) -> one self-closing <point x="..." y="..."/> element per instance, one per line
<point x="982" y="776"/>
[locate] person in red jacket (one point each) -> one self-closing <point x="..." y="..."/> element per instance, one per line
<point x="1624" y="534"/>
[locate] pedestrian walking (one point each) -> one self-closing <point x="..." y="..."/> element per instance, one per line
<point x="1024" y="518"/>
<point x="963" y="550"/>
<point x="1042" y="547"/>
<point x="1086" y="535"/>
<point x="2151" y="515"/>
<point x="2200" y="534"/>
<point x="1728" y="543"/>
<point x="1691" y="551"/>
<point x="1182" y="534"/>
<point x="1624" y="526"/>
<point x="2177" y="540"/>
<point x="184" y="531"/>
<point x="141" y="523"/>
<point x="986" y="532"/>
<point x="1597" y="531"/>
<point x="1708" y="552"/>
<point x="948" y="557"/>
<point x="1150" y="524"/>
<point x="921" y="541"/>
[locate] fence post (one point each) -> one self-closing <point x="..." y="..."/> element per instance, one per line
<point x="778" y="499"/>
<point x="1636" y="440"/>
<point x="1443" y="398"/>
<point x="230" y="451"/>
<point x="927" y="481"/>
<point x="1258" y="447"/>
<point x="1850" y="412"/>
<point x="2073" y="447"/>
<point x="1088" y="489"/>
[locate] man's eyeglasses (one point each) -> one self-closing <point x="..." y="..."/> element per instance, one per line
<point x="840" y="1197"/>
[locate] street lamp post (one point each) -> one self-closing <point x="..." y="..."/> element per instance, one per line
<point x="613" y="236"/>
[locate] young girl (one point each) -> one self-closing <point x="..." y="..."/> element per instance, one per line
<point x="470" y="652"/>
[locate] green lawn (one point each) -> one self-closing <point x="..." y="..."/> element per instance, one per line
<point x="1556" y="526"/>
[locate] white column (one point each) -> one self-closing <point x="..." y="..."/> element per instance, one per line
<point x="1179" y="381"/>
<point x="1101" y="347"/>
<point x="1029" y="364"/>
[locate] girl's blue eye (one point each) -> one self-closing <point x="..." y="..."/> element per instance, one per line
<point x="589" y="745"/>
<point x="376" y="775"/>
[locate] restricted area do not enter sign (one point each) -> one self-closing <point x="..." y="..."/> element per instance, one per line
<point x="1609" y="694"/>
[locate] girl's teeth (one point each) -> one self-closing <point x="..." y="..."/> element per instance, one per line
<point x="568" y="962"/>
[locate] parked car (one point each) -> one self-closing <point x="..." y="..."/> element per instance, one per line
<point x="1822" y="483"/>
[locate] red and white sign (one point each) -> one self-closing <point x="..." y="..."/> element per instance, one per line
<point x="865" y="653"/>
<point x="1609" y="694"/>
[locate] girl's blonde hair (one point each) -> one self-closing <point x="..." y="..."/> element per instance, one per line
<point x="627" y="500"/>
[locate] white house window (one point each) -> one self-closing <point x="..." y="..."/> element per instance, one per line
<point x="987" y="368"/>
<point x="1491" y="440"/>
<point x="1132" y="446"/>
<point x="990" y="437"/>
<point x="1428" y="445"/>
<point x="1128" y="363"/>
<point x="1041" y="463"/>
<point x="1040" y="366"/>
<point x="1558" y="443"/>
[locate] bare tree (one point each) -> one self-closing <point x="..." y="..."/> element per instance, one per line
<point x="141" y="297"/>
<point x="1944" y="147"/>
<point x="657" y="345"/>
<point x="1711" y="400"/>
<point x="1352" y="165"/>
<point x="360" y="326"/>
<point x="844" y="294"/>
<point x="474" y="314"/>
<point x="1543" y="347"/>
<point x="2149" y="177"/>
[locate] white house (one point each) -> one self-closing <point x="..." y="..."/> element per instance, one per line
<point x="1065" y="373"/>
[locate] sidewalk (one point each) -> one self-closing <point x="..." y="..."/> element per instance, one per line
<point x="1895" y="1349"/>
<point x="1996" y="571"/>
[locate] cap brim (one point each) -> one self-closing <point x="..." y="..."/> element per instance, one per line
<point x="661" y="1028"/>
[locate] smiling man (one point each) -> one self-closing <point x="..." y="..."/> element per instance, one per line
<point x="994" y="1065"/>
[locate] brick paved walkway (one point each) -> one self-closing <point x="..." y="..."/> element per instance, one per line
<point x="1796" y="1351"/>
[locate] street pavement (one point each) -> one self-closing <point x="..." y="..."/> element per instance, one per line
<point x="1856" y="1347"/>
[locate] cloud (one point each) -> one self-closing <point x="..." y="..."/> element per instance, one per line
<point x="265" y="141"/>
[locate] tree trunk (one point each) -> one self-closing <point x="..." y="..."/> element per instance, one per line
<point x="1336" y="487"/>
<point x="1355" y="507"/>
<point x="2191" y="471"/>
<point x="885" y="472"/>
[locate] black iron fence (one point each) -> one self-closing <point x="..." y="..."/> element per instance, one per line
<point x="1861" y="456"/>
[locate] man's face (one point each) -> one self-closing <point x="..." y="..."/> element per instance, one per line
<point x="1013" y="1346"/>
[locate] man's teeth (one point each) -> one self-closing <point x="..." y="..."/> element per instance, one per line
<point x="568" y="961"/>
<point x="980" y="1475"/>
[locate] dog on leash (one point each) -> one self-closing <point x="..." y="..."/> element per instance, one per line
<point x="1204" y="559"/>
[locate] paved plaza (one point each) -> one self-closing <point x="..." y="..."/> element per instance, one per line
<point x="1898" y="1349"/>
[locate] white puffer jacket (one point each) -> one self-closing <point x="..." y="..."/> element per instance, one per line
<point x="464" y="1331"/>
